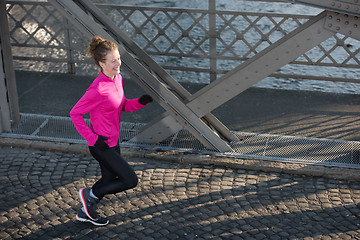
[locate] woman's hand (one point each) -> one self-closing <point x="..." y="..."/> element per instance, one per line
<point x="101" y="144"/>
<point x="145" y="99"/>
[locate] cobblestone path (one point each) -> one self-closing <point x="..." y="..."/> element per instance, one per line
<point x="39" y="200"/>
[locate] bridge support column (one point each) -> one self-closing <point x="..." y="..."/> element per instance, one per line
<point x="9" y="107"/>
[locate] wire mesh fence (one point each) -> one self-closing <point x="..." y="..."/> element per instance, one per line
<point x="249" y="145"/>
<point x="42" y="40"/>
<point x="180" y="40"/>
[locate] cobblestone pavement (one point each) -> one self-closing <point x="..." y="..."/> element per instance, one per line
<point x="39" y="200"/>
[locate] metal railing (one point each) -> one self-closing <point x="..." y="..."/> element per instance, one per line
<point x="211" y="42"/>
<point x="306" y="150"/>
<point x="189" y="43"/>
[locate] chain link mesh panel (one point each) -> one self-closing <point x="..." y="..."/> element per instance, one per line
<point x="42" y="40"/>
<point x="250" y="145"/>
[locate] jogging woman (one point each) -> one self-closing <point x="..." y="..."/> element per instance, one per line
<point x="105" y="101"/>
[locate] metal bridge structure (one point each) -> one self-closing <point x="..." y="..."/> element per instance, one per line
<point x="184" y="110"/>
<point x="193" y="112"/>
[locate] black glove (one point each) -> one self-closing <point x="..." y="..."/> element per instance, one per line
<point x="101" y="144"/>
<point x="145" y="99"/>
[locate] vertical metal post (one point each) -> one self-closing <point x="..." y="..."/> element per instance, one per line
<point x="70" y="57"/>
<point x="8" y="86"/>
<point x="5" y="120"/>
<point x="212" y="39"/>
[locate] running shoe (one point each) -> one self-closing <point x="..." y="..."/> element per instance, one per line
<point x="82" y="217"/>
<point x="89" y="203"/>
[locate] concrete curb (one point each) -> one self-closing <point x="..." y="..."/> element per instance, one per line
<point x="197" y="158"/>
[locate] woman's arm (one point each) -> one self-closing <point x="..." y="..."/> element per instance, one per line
<point x="87" y="102"/>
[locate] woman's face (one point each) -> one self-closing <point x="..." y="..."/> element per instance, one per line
<point x="112" y="64"/>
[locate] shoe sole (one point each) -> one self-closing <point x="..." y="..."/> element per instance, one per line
<point x="81" y="195"/>
<point x="80" y="219"/>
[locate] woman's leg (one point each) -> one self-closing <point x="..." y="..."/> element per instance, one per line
<point x="117" y="174"/>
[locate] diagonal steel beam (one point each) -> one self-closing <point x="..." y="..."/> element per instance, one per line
<point x="161" y="74"/>
<point x="277" y="55"/>
<point x="247" y="74"/>
<point x="161" y="92"/>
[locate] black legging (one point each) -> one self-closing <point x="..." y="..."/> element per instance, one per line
<point x="117" y="174"/>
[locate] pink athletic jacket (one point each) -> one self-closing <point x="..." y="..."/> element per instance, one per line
<point x="104" y="100"/>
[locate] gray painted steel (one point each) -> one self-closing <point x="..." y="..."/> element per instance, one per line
<point x="193" y="112"/>
<point x="189" y="115"/>
<point x="9" y="106"/>
<point x="146" y="79"/>
<point x="351" y="7"/>
<point x="253" y="70"/>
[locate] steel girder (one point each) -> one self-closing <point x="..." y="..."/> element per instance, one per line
<point x="193" y="111"/>
<point x="245" y="75"/>
<point x="351" y="7"/>
<point x="148" y="74"/>
<point x="9" y="106"/>
<point x="287" y="49"/>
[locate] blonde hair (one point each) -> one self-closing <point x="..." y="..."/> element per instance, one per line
<point x="98" y="48"/>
